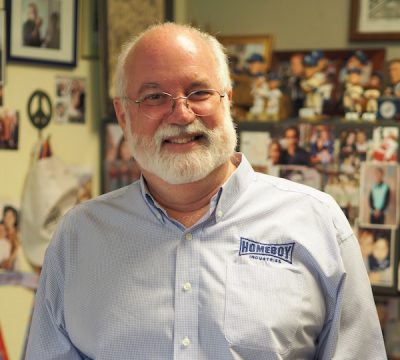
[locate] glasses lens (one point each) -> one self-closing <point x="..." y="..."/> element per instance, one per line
<point x="156" y="105"/>
<point x="204" y="102"/>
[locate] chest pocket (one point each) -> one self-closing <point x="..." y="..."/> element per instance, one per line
<point x="263" y="307"/>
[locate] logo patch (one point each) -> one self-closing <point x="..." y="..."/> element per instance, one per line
<point x="255" y="249"/>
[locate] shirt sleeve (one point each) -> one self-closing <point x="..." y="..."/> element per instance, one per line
<point x="354" y="331"/>
<point x="48" y="338"/>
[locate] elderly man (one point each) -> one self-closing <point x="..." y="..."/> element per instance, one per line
<point x="202" y="258"/>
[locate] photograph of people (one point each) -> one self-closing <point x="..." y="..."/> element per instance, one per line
<point x="379" y="193"/>
<point x="202" y="257"/>
<point x="41" y="27"/>
<point x="9" y="238"/>
<point x="293" y="153"/>
<point x="377" y="247"/>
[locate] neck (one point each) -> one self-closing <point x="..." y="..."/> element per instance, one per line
<point x="187" y="203"/>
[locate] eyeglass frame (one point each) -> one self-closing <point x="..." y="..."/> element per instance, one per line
<point x="174" y="99"/>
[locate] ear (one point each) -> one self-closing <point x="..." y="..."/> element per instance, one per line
<point x="120" y="112"/>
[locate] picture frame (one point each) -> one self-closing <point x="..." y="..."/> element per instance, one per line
<point x="369" y="23"/>
<point x="118" y="167"/>
<point x="379" y="195"/>
<point x="42" y="32"/>
<point x="379" y="253"/>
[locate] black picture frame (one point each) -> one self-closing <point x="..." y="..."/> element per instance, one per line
<point x="55" y="45"/>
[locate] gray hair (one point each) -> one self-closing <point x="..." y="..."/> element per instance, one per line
<point x="217" y="49"/>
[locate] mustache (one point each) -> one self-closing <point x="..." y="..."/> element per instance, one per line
<point x="195" y="128"/>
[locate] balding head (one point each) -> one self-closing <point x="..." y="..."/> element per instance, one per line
<point x="159" y="39"/>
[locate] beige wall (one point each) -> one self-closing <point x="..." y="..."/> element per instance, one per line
<point x="75" y="144"/>
<point x="295" y="24"/>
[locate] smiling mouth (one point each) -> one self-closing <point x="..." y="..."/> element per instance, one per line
<point x="184" y="140"/>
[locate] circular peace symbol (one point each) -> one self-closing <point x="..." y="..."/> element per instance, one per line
<point x="39" y="109"/>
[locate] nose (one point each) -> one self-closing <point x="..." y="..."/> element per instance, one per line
<point x="180" y="112"/>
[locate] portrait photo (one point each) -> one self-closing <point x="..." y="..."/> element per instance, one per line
<point x="378" y="249"/>
<point x="70" y="104"/>
<point x="9" y="129"/>
<point x="379" y="185"/>
<point x="119" y="168"/>
<point x="9" y="237"/>
<point x="385" y="144"/>
<point x="42" y="31"/>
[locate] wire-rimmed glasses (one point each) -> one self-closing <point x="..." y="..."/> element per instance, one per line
<point x="156" y="105"/>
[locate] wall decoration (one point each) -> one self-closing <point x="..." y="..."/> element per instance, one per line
<point x="120" y="21"/>
<point x="10" y="247"/>
<point x="379" y="202"/>
<point x="249" y="61"/>
<point x="375" y="20"/>
<point x="9" y="129"/>
<point x="119" y="169"/>
<point x="378" y="249"/>
<point x="42" y="31"/>
<point x="70" y="103"/>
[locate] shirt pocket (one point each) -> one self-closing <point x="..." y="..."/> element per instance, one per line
<point x="262" y="307"/>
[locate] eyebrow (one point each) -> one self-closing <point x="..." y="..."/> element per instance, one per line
<point x="193" y="84"/>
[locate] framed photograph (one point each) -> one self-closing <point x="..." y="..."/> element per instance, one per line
<point x="42" y="31"/>
<point x="378" y="249"/>
<point x="301" y="174"/>
<point x="119" y="168"/>
<point x="374" y="20"/>
<point x="379" y="197"/>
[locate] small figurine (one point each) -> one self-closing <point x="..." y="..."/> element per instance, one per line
<point x="313" y="79"/>
<point x="371" y="95"/>
<point x="273" y="96"/>
<point x="353" y="94"/>
<point x="259" y="91"/>
<point x="256" y="65"/>
<point x="356" y="60"/>
<point x="295" y="90"/>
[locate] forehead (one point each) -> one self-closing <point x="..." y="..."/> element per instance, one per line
<point x="170" y="59"/>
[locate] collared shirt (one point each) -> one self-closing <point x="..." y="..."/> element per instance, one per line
<point x="273" y="271"/>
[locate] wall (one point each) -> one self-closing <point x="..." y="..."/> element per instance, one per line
<point x="301" y="24"/>
<point x="76" y="144"/>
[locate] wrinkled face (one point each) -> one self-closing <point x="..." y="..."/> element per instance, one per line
<point x="179" y="147"/>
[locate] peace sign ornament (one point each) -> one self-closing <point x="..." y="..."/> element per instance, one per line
<point x="39" y="109"/>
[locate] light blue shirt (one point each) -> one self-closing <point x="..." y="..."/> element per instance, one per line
<point x="273" y="271"/>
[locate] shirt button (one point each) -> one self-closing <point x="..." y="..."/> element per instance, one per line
<point x="189" y="236"/>
<point x="220" y="213"/>
<point x="187" y="286"/>
<point x="186" y="342"/>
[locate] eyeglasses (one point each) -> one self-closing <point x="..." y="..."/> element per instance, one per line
<point x="157" y="105"/>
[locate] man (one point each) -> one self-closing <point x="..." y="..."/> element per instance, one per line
<point x="31" y="27"/>
<point x="379" y="197"/>
<point x="293" y="153"/>
<point x="202" y="258"/>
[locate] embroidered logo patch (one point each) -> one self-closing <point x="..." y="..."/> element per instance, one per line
<point x="259" y="251"/>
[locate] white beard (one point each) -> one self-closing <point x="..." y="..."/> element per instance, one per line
<point x="216" y="148"/>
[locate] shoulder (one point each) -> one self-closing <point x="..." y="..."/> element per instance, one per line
<point x="302" y="201"/>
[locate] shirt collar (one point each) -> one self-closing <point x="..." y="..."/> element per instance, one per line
<point x="223" y="200"/>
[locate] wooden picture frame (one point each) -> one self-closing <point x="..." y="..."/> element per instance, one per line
<point x="377" y="23"/>
<point x="50" y="39"/>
